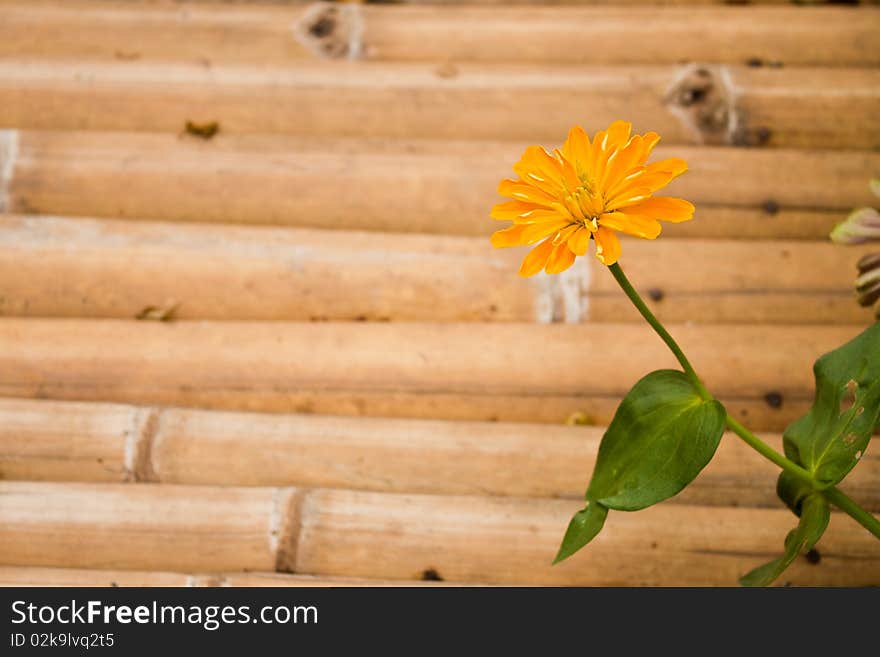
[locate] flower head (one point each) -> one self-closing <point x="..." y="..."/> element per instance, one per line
<point x="587" y="191"/>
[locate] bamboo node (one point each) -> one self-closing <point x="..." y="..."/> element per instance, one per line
<point x="704" y="99"/>
<point x="138" y="457"/>
<point x="8" y="159"/>
<point x="285" y="524"/>
<point x="564" y="297"/>
<point x="331" y="31"/>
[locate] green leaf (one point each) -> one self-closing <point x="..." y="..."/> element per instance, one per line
<point x="792" y="490"/>
<point x="582" y="529"/>
<point x="662" y="435"/>
<point x="829" y="440"/>
<point x="815" y="514"/>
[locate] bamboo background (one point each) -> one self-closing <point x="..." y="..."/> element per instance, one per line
<point x="252" y="332"/>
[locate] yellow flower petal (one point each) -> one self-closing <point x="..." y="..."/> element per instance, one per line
<point x="522" y="234"/>
<point x="663" y="208"/>
<point x="536" y="259"/>
<point x="522" y="191"/>
<point x="510" y="210"/>
<point x="649" y="141"/>
<point x="674" y="165"/>
<point x="637" y="188"/>
<point x="526" y="213"/>
<point x="569" y="174"/>
<point x="561" y="258"/>
<point x="537" y="167"/>
<point x="607" y="246"/>
<point x="622" y="162"/>
<point x="579" y="242"/>
<point x="576" y="149"/>
<point x="631" y="224"/>
<point x="618" y="134"/>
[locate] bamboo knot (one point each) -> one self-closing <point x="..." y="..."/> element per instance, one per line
<point x="331" y="31"/>
<point x="704" y="99"/>
<point x="8" y="158"/>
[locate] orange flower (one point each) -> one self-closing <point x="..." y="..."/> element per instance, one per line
<point x="587" y="191"/>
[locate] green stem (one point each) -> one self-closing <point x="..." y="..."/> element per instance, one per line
<point x="845" y="503"/>
<point x="769" y="453"/>
<point x="637" y="301"/>
<point x="832" y="494"/>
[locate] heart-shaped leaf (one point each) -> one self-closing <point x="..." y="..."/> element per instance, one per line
<point x="829" y="440"/>
<point x="662" y="435"/>
<point x="815" y="515"/>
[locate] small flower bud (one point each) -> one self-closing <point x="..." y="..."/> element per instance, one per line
<point x="868" y="282"/>
<point x="862" y="225"/>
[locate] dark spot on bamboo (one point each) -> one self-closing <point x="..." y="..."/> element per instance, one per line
<point x="757" y="62"/>
<point x="656" y="294"/>
<point x="431" y="575"/>
<point x="813" y="556"/>
<point x="770" y="206"/>
<point x="163" y="313"/>
<point x="202" y="130"/>
<point x="773" y="399"/>
<point x="322" y="27"/>
<point x="762" y="136"/>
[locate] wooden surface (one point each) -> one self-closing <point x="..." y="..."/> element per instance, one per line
<point x="425" y="186"/>
<point x="280" y="34"/>
<point x="253" y="333"/>
<point x="408" y="369"/>
<point x="35" y="576"/>
<point x="55" y="267"/>
<point x="336" y="532"/>
<point x="109" y="443"/>
<point x="802" y="107"/>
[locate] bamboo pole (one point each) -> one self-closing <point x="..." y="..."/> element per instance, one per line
<point x="78" y="577"/>
<point x="57" y="577"/>
<point x="143" y="527"/>
<point x="282" y="35"/>
<point x="54" y="267"/>
<point x="191" y="447"/>
<point x="622" y="35"/>
<point x="450" y="371"/>
<point x="828" y="108"/>
<point x="419" y="186"/>
<point x="390" y="536"/>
